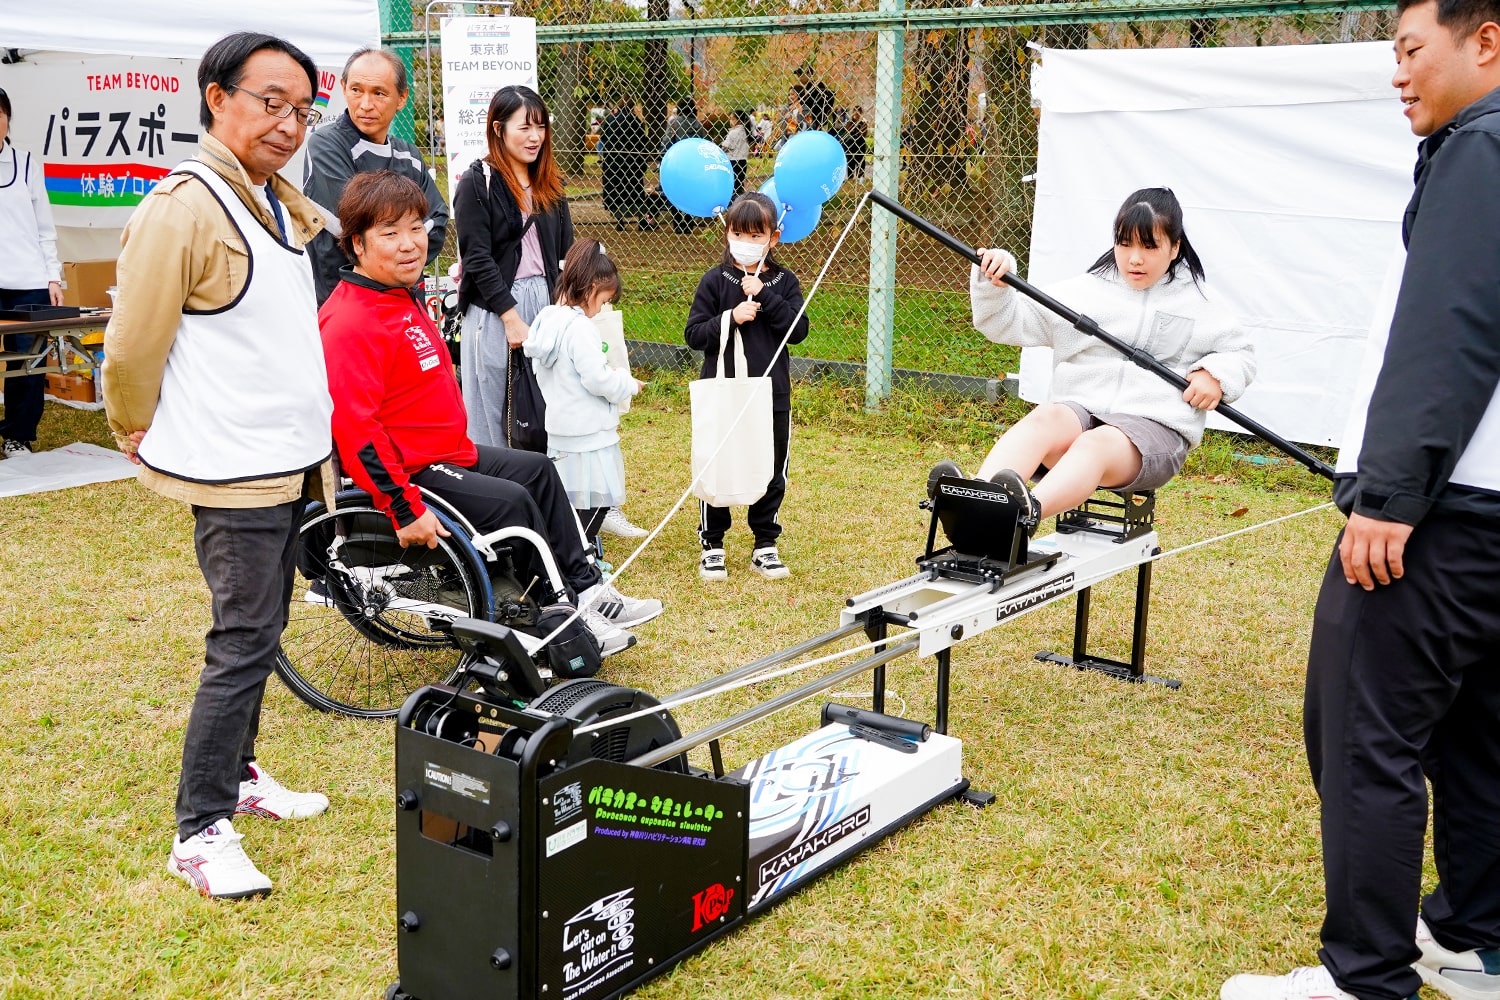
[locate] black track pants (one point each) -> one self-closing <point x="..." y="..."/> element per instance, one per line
<point x="1402" y="682"/>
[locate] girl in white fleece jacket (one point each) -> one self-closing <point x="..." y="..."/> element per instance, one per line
<point x="1112" y="424"/>
<point x="583" y="392"/>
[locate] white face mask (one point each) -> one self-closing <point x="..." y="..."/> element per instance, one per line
<point x="747" y="253"/>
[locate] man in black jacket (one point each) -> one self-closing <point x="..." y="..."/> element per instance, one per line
<point x="360" y="141"/>
<point x="1403" y="676"/>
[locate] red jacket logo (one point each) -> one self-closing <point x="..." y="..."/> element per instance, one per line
<point x="710" y="904"/>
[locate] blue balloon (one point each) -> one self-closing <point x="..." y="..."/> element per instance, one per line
<point x="798" y="222"/>
<point x="696" y="177"/>
<point x="810" y="169"/>
<point x="769" y="190"/>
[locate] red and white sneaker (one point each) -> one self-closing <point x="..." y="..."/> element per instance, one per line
<point x="1314" y="983"/>
<point x="264" y="796"/>
<point x="213" y="862"/>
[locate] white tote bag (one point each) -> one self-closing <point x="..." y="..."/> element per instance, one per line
<point x="610" y="323"/>
<point x="731" y="467"/>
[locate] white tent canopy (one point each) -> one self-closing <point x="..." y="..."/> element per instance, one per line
<point x="327" y="30"/>
<point x="1293" y="165"/>
<point x="106" y="95"/>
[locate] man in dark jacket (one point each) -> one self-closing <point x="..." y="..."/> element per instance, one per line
<point x="1403" y="676"/>
<point x="360" y="141"/>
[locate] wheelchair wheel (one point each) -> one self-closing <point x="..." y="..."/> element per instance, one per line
<point x="364" y="629"/>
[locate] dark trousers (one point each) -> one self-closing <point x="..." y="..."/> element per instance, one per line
<point x="509" y="488"/>
<point x="247" y="557"/>
<point x="24" y="394"/>
<point x="739" y="166"/>
<point x="1404" y="681"/>
<point x="764" y="517"/>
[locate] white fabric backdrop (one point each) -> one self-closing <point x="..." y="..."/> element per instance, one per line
<point x="327" y="30"/>
<point x="1293" y="165"/>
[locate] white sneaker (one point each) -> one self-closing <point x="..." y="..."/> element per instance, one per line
<point x="711" y="565"/>
<point x="615" y="523"/>
<point x="264" y="796"/>
<point x="617" y="609"/>
<point x="15" y="449"/>
<point x="1315" y="983"/>
<point x="317" y="593"/>
<point x="768" y="564"/>
<point x="213" y="862"/>
<point x="612" y="639"/>
<point x="1462" y="975"/>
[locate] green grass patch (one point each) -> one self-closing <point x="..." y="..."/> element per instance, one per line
<point x="1143" y="843"/>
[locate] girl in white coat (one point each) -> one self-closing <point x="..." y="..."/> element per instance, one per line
<point x="1112" y="424"/>
<point x="582" y="390"/>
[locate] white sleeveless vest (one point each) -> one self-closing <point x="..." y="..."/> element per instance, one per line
<point x="245" y="391"/>
<point x="1479" y="465"/>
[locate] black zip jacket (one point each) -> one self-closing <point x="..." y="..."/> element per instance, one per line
<point x="780" y="299"/>
<point x="332" y="162"/>
<point x="489" y="240"/>
<point x="1442" y="362"/>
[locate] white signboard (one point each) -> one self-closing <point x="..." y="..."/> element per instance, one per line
<point x="480" y="55"/>
<point x="107" y="128"/>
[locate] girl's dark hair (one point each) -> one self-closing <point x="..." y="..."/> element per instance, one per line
<point x="752" y="212"/>
<point x="4" y="102"/>
<point x="376" y="199"/>
<point x="1144" y="213"/>
<point x="586" y="269"/>
<point x="546" y="181"/>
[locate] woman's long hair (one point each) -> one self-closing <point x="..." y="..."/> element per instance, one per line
<point x="1144" y="213"/>
<point x="546" y="181"/>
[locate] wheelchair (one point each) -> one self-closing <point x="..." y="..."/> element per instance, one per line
<point x="370" y="621"/>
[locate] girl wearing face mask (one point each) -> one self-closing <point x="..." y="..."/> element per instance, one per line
<point x="514" y="229"/>
<point x="1112" y="424"/>
<point x="762" y="298"/>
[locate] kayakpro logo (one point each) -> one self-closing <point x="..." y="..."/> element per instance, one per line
<point x="1030" y="599"/>
<point x="972" y="494"/>
<point x="812" y="846"/>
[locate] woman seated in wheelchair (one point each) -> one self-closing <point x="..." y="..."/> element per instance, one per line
<point x="1113" y="425"/>
<point x="399" y="421"/>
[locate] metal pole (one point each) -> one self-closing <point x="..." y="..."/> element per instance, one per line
<point x="774" y="705"/>
<point x="1085" y="325"/>
<point x="890" y="65"/>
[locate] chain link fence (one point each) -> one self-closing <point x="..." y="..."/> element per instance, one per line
<point x="967" y="152"/>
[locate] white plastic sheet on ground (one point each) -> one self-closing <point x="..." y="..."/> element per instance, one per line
<point x="62" y="468"/>
<point x="1293" y="165"/>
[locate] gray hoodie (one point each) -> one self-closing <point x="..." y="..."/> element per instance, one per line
<point x="583" y="392"/>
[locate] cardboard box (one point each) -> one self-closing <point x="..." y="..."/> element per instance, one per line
<point x="76" y="388"/>
<point x="85" y="281"/>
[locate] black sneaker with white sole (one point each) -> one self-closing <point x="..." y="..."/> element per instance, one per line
<point x="1015" y="487"/>
<point x="947" y="467"/>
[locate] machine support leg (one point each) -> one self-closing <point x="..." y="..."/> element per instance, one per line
<point x="1138" y="629"/>
<point x="877" y="630"/>
<point x="1081" y="625"/>
<point x="1133" y="669"/>
<point x="944" y="659"/>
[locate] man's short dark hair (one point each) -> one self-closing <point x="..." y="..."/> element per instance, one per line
<point x="1461" y="17"/>
<point x="397" y="66"/>
<point x="374" y="199"/>
<point x="224" y="64"/>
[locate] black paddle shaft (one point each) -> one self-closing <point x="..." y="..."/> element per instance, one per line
<point x="1088" y="326"/>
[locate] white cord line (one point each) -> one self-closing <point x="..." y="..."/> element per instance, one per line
<point x="625" y="564"/>
<point x="926" y="626"/>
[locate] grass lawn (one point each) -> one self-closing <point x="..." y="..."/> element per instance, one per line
<point x="1143" y="843"/>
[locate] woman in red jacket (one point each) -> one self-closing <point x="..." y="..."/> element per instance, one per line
<point x="399" y="420"/>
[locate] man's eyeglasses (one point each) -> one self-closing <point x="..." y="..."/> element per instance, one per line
<point x="278" y="108"/>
